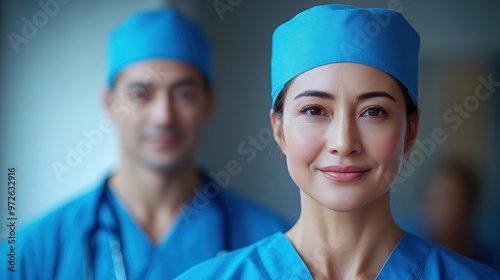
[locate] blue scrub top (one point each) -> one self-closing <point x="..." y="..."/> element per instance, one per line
<point x="56" y="247"/>
<point x="275" y="258"/>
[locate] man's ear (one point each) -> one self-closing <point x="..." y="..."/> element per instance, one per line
<point x="411" y="132"/>
<point x="107" y="99"/>
<point x="277" y="124"/>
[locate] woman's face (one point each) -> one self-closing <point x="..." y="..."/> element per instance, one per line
<point x="343" y="133"/>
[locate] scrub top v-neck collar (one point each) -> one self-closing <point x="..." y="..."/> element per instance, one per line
<point x="140" y="252"/>
<point x="134" y="238"/>
<point x="406" y="261"/>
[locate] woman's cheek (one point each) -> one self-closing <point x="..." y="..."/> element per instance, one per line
<point x="385" y="145"/>
<point x="303" y="143"/>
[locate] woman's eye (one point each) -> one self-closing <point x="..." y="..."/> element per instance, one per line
<point x="313" y="111"/>
<point x="374" y="112"/>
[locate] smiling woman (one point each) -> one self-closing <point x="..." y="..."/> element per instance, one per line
<point x="343" y="128"/>
<point x="345" y="122"/>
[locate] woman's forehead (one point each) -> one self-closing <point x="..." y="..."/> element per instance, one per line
<point x="340" y="78"/>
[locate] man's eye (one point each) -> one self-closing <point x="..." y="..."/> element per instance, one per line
<point x="138" y="94"/>
<point x="188" y="94"/>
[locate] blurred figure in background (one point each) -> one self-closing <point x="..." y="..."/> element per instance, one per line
<point x="157" y="214"/>
<point x="450" y="204"/>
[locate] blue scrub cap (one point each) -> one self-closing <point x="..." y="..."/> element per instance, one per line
<point x="326" y="34"/>
<point x="158" y="34"/>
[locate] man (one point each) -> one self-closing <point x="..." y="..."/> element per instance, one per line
<point x="157" y="214"/>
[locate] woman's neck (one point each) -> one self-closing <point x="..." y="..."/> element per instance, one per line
<point x="345" y="245"/>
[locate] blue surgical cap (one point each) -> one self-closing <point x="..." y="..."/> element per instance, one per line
<point x="380" y="38"/>
<point x="158" y="34"/>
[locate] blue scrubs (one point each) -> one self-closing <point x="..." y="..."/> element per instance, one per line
<point x="275" y="258"/>
<point x="57" y="246"/>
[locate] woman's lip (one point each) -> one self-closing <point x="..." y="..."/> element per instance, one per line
<point x="344" y="173"/>
<point x="343" y="169"/>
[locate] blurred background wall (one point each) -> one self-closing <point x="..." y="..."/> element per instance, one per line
<point x="52" y="82"/>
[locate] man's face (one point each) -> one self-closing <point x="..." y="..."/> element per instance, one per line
<point x="159" y="108"/>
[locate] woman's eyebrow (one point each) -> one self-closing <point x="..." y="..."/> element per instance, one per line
<point x="315" y="93"/>
<point x="363" y="96"/>
<point x="374" y="94"/>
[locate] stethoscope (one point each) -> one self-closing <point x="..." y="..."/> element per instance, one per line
<point x="115" y="243"/>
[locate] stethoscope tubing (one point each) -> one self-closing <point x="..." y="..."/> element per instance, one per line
<point x="115" y="243"/>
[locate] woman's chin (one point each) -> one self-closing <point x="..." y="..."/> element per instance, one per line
<point x="342" y="201"/>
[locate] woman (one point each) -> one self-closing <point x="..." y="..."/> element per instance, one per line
<point x="344" y="89"/>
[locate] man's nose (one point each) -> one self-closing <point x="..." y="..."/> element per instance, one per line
<point x="163" y="110"/>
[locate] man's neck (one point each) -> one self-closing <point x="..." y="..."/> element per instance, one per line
<point x="154" y="198"/>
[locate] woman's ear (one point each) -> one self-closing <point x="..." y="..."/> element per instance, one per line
<point x="411" y="131"/>
<point x="277" y="124"/>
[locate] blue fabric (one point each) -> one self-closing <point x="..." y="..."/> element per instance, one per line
<point x="158" y="34"/>
<point x="275" y="258"/>
<point x="56" y="246"/>
<point x="326" y="34"/>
